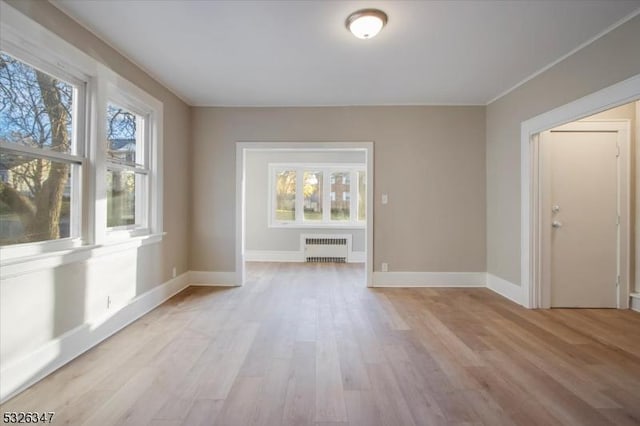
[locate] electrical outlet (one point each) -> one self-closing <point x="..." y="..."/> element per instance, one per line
<point x="173" y="272"/>
<point x="385" y="267"/>
<point x="385" y="198"/>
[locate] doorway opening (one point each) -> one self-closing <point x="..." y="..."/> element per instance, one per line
<point x="574" y="180"/>
<point x="305" y="203"/>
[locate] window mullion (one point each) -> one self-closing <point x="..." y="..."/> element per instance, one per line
<point x="80" y="221"/>
<point x="299" y="195"/>
<point x="140" y="213"/>
<point x="75" y="219"/>
<point x="326" y="196"/>
<point x="145" y="196"/>
<point x="77" y="130"/>
<point x="353" y="196"/>
<point x="142" y="191"/>
<point x="98" y="156"/>
<point x="273" y="202"/>
<point x="141" y="142"/>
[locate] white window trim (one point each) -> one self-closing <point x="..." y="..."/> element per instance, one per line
<point x="126" y="95"/>
<point x="327" y="169"/>
<point x="33" y="43"/>
<point x="33" y="56"/>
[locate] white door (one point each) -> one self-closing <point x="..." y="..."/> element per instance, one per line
<point x="583" y="217"/>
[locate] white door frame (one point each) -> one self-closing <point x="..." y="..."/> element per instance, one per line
<point x="637" y="212"/>
<point x="241" y="152"/>
<point x="622" y="128"/>
<point x="610" y="97"/>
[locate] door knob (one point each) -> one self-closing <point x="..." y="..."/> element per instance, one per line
<point x="556" y="224"/>
<point x="555" y="208"/>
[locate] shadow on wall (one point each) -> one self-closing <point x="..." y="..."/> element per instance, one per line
<point x="87" y="302"/>
<point x="42" y="307"/>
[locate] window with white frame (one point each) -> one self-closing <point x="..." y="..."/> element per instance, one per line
<point x="71" y="174"/>
<point x="41" y="152"/>
<point x="131" y="146"/>
<point x="127" y="168"/>
<point x="317" y="195"/>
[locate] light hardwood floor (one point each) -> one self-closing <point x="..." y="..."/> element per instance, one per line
<point x="308" y="344"/>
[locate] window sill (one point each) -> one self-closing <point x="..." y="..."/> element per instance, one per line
<point x="22" y="265"/>
<point x="124" y="234"/>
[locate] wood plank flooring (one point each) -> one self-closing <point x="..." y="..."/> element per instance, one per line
<point x="308" y="344"/>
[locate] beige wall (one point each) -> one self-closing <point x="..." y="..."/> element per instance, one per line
<point x="40" y="306"/>
<point x="610" y="59"/>
<point x="430" y="160"/>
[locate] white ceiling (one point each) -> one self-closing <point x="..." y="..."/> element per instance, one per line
<point x="276" y="53"/>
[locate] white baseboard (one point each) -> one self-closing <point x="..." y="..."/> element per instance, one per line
<point x="273" y="256"/>
<point x="18" y="375"/>
<point x="635" y="302"/>
<point x="429" y="279"/>
<point x="213" y="278"/>
<point x="506" y="289"/>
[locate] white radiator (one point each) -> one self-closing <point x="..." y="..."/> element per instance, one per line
<point x="326" y="248"/>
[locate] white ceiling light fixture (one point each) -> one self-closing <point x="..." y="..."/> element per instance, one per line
<point x="366" y="23"/>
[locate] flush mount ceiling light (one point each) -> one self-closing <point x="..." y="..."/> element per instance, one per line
<point x="366" y="23"/>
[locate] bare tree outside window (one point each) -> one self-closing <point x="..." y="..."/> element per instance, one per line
<point x="362" y="195"/>
<point x="312" y="192"/>
<point x="121" y="149"/>
<point x="35" y="112"/>
<point x="286" y="195"/>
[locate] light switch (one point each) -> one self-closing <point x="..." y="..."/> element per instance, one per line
<point x="385" y="198"/>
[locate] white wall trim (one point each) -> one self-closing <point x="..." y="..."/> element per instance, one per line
<point x="273" y="256"/>
<point x="635" y="301"/>
<point x="505" y="288"/>
<point x="607" y="98"/>
<point x="429" y="279"/>
<point x="17" y="375"/>
<point x="213" y="278"/>
<point x="636" y="287"/>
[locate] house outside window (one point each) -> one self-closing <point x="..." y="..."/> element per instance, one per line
<point x="317" y="195"/>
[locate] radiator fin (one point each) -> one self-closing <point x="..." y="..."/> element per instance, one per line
<point x="326" y="260"/>
<point x="326" y="241"/>
<point x="331" y="249"/>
